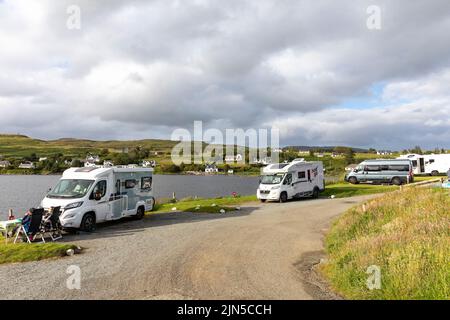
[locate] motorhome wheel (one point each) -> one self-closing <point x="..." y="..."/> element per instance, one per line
<point x="396" y="181"/>
<point x="315" y="193"/>
<point x="140" y="213"/>
<point x="353" y="180"/>
<point x="88" y="222"/>
<point x="283" y="197"/>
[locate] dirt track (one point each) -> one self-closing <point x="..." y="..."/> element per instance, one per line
<point x="260" y="252"/>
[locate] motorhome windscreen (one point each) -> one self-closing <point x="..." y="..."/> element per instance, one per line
<point x="71" y="188"/>
<point x="272" y="178"/>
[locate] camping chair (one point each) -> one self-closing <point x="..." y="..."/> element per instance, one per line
<point x="52" y="225"/>
<point x="34" y="228"/>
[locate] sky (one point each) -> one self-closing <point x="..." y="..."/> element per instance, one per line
<point x="313" y="69"/>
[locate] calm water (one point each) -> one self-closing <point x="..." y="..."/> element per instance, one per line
<point x="23" y="192"/>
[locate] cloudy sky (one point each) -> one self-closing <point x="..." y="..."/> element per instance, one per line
<point x="140" y="69"/>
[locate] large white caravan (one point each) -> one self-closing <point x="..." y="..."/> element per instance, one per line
<point x="283" y="181"/>
<point x="96" y="194"/>
<point x="432" y="164"/>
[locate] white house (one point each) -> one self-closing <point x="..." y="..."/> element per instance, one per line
<point x="108" y="163"/>
<point x="4" y="164"/>
<point x="302" y="152"/>
<point x="93" y="158"/>
<point x="231" y="171"/>
<point x="384" y="152"/>
<point x="42" y="159"/>
<point x="148" y="163"/>
<point x="26" y="165"/>
<point x="232" y="158"/>
<point x="211" y="168"/>
<point x="68" y="162"/>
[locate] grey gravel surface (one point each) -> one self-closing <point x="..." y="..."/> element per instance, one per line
<point x="247" y="254"/>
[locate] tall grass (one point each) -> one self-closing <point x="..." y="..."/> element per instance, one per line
<point x="406" y="233"/>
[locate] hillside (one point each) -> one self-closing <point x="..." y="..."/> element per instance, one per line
<point x="18" y="146"/>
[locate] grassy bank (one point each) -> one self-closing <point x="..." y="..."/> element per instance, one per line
<point x="406" y="234"/>
<point x="22" y="252"/>
<point x="205" y="205"/>
<point x="342" y="190"/>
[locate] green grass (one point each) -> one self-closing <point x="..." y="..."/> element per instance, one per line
<point x="406" y="234"/>
<point x="425" y="178"/>
<point x="22" y="252"/>
<point x="342" y="190"/>
<point x="205" y="204"/>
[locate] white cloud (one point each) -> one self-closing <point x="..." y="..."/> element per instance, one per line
<point x="151" y="66"/>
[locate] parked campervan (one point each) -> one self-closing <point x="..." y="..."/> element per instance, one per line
<point x="431" y="164"/>
<point x="395" y="171"/>
<point x="91" y="195"/>
<point x="283" y="181"/>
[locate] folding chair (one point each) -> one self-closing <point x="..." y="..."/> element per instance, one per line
<point x="35" y="227"/>
<point x="52" y="225"/>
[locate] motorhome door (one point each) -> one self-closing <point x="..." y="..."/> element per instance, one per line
<point x="301" y="184"/>
<point x="117" y="201"/>
<point x="421" y="165"/>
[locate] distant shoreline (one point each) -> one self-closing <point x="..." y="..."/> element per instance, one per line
<point x="199" y="174"/>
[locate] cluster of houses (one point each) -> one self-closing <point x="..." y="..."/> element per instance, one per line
<point x="94" y="160"/>
<point x="89" y="161"/>
<point x="24" y="165"/>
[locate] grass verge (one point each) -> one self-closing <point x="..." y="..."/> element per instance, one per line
<point x="205" y="205"/>
<point x="406" y="234"/>
<point x="342" y="190"/>
<point x="22" y="252"/>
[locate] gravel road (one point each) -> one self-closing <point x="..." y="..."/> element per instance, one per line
<point x="260" y="252"/>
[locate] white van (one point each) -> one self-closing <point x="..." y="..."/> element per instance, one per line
<point x="283" y="181"/>
<point x="430" y="164"/>
<point x="91" y="195"/>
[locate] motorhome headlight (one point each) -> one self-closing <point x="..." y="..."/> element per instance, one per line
<point x="275" y="188"/>
<point x="73" y="205"/>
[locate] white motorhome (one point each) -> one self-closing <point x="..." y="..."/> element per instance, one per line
<point x="283" y="181"/>
<point x="432" y="164"/>
<point x="91" y="195"/>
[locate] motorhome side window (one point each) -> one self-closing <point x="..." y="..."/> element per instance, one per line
<point x="100" y="188"/>
<point x="372" y="168"/>
<point x="302" y="175"/>
<point x="130" y="184"/>
<point x="146" y="183"/>
<point x="398" y="167"/>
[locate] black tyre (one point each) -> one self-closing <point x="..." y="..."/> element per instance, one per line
<point x="283" y="197"/>
<point x="140" y="213"/>
<point x="353" y="180"/>
<point x="397" y="181"/>
<point x="263" y="200"/>
<point x="434" y="173"/>
<point x="88" y="223"/>
<point x="315" y="193"/>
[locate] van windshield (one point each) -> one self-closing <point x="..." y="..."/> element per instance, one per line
<point x="272" y="178"/>
<point x="70" y="188"/>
